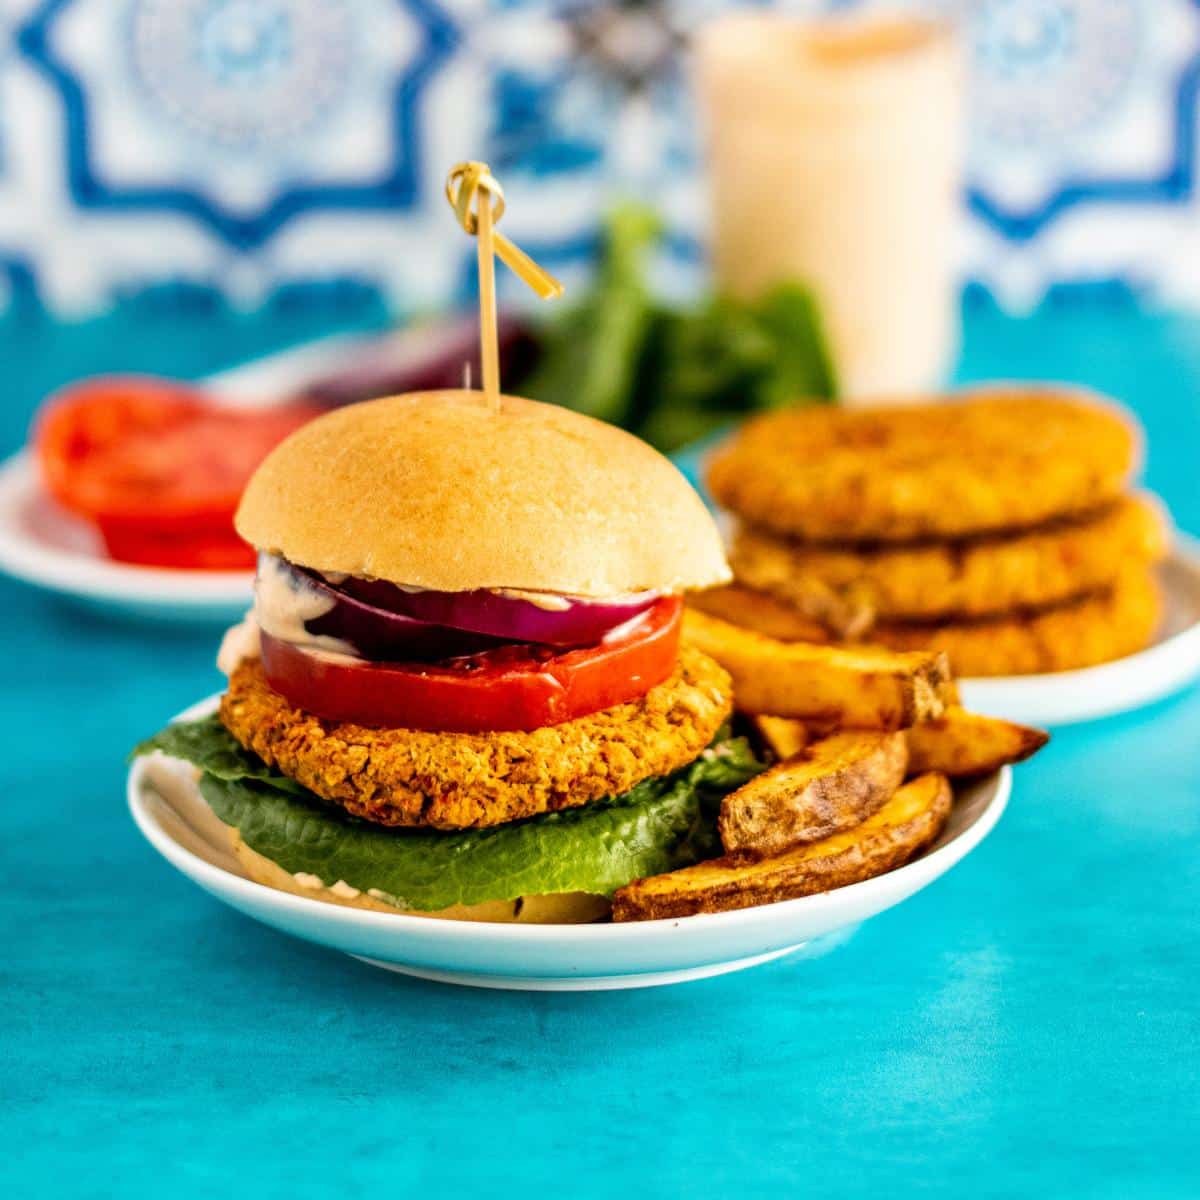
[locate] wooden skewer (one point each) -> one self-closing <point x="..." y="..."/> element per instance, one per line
<point x="489" y="351"/>
<point x="473" y="182"/>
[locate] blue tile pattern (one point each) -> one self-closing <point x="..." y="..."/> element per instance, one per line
<point x="245" y="144"/>
<point x="239" y="76"/>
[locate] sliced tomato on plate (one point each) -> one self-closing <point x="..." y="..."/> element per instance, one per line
<point x="197" y="550"/>
<point x="156" y="467"/>
<point x="82" y="427"/>
<point x="511" y="688"/>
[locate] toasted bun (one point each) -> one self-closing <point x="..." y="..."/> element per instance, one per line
<point x="564" y="908"/>
<point x="437" y="490"/>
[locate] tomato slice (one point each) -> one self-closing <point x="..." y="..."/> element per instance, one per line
<point x="155" y="466"/>
<point x="79" y="427"/>
<point x="510" y="688"/>
<point x="197" y="551"/>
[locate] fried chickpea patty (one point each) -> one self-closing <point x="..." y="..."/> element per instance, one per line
<point x="999" y="460"/>
<point x="977" y="577"/>
<point x="465" y="780"/>
<point x="1119" y="620"/>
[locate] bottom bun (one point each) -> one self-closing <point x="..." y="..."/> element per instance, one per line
<point x="562" y="908"/>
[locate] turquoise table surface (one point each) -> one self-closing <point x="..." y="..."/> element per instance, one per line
<point x="1028" y="1026"/>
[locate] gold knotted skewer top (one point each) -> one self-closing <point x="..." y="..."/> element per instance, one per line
<point x="478" y="203"/>
<point x="463" y="186"/>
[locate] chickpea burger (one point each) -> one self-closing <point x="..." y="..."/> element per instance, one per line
<point x="461" y="691"/>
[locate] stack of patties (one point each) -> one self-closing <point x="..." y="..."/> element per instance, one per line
<point x="462" y="691"/>
<point x="997" y="527"/>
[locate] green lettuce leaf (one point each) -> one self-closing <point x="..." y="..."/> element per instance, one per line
<point x="661" y="824"/>
<point x="210" y="746"/>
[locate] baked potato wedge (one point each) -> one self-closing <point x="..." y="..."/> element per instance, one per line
<point x="832" y="785"/>
<point x="781" y="737"/>
<point x="962" y="744"/>
<point x="906" y="824"/>
<point x="853" y="688"/>
<point x="744" y="607"/>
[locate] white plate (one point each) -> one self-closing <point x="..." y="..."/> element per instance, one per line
<point x="45" y="546"/>
<point x="170" y="812"/>
<point x="1164" y="668"/>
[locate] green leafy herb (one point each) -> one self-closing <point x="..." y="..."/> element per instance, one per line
<point x="675" y="375"/>
<point x="591" y="355"/>
<point x="659" y="825"/>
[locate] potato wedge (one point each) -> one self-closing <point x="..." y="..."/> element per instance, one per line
<point x="832" y="785"/>
<point x="783" y="737"/>
<point x="906" y="824"/>
<point x="961" y="744"/>
<point x="858" y="689"/>
<point x="746" y="608"/>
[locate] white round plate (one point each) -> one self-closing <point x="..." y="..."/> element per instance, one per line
<point x="44" y="546"/>
<point x="1063" y="698"/>
<point x="168" y="809"/>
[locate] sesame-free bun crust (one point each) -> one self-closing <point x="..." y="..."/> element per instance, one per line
<point x="437" y="490"/>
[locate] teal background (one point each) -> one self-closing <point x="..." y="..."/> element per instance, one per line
<point x="1026" y="1026"/>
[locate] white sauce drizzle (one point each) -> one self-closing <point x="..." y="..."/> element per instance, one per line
<point x="560" y="602"/>
<point x="550" y="601"/>
<point x="547" y="601"/>
<point x="241" y="641"/>
<point x="282" y="605"/>
<point x="341" y="889"/>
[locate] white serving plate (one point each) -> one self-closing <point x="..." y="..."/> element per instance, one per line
<point x="168" y="809"/>
<point x="1066" y="697"/>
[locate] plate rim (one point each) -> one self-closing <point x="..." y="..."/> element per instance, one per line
<point x="176" y="854"/>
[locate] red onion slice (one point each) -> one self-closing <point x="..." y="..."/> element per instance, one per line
<point x="383" y="622"/>
<point x="383" y="636"/>
<point x="510" y="618"/>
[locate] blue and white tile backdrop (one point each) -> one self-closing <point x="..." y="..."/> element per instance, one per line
<point x="239" y="145"/>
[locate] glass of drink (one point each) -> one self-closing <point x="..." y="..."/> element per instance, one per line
<point x="835" y="157"/>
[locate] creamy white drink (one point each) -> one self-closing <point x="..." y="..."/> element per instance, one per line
<point x="835" y="158"/>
